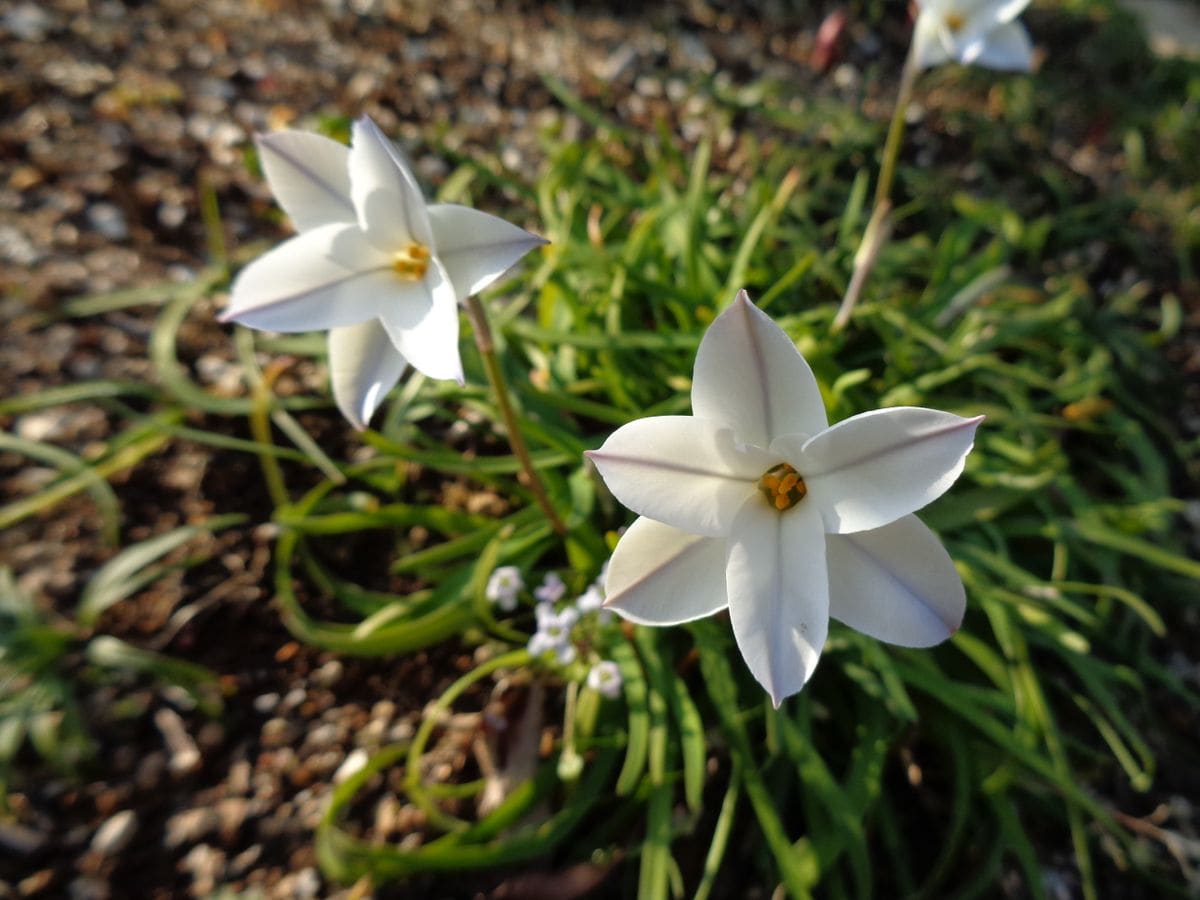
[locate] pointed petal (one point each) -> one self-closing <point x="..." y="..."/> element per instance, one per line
<point x="1003" y="11"/>
<point x="929" y="48"/>
<point x="683" y="471"/>
<point x="659" y="575"/>
<point x="750" y="377"/>
<point x="309" y="177"/>
<point x="391" y="209"/>
<point x="319" y="279"/>
<point x="896" y="584"/>
<point x="875" y="467"/>
<point x="476" y="248"/>
<point x="778" y="594"/>
<point x="1006" y="49"/>
<point x="425" y="330"/>
<point x="363" y="366"/>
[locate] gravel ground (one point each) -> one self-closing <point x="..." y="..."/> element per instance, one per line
<point x="115" y="118"/>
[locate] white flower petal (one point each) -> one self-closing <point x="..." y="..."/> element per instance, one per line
<point x="750" y="377"/>
<point x="476" y="248"/>
<point x="309" y="177"/>
<point x="929" y="47"/>
<point x="896" y="584"/>
<point x="429" y="341"/>
<point x="363" y="366"/>
<point x="660" y="575"/>
<point x="1002" y="11"/>
<point x="875" y="467"/>
<point x="778" y="594"/>
<point x="390" y="206"/>
<point x="1006" y="48"/>
<point x="319" y="279"/>
<point x="680" y="470"/>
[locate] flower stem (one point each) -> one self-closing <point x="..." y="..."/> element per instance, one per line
<point x="487" y="349"/>
<point x="879" y="225"/>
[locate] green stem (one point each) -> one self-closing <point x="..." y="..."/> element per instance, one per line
<point x="487" y="349"/>
<point x="891" y="147"/>
<point x="879" y="225"/>
<point x="570" y="763"/>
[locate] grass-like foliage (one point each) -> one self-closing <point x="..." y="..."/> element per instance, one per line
<point x="1018" y="750"/>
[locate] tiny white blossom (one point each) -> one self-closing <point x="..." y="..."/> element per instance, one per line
<point x="757" y="505"/>
<point x="972" y="32"/>
<point x="503" y="586"/>
<point x="590" y="600"/>
<point x="551" y="590"/>
<point x="554" y="632"/>
<point x="373" y="264"/>
<point x="605" y="678"/>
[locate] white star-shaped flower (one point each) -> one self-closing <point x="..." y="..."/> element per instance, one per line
<point x="503" y="586"/>
<point x="605" y="678"/>
<point x="973" y="32"/>
<point x="373" y="264"/>
<point x="754" y="503"/>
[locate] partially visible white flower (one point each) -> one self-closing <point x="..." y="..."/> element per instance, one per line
<point x="503" y="586"/>
<point x="551" y="589"/>
<point x="605" y="678"/>
<point x="972" y="32"/>
<point x="755" y="504"/>
<point x="554" y="633"/>
<point x="373" y="264"/>
<point x="592" y="601"/>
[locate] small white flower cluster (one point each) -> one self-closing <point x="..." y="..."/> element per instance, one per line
<point x="503" y="587"/>
<point x="554" y="625"/>
<point x="554" y="632"/>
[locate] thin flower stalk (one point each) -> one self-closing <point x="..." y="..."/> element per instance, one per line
<point x="516" y="440"/>
<point x="879" y="226"/>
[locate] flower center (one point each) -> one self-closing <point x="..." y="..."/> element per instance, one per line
<point x="411" y="261"/>
<point x="782" y="486"/>
<point x="954" y="21"/>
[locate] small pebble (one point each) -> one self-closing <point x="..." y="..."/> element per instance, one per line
<point x="329" y="674"/>
<point x="27" y="22"/>
<point x="324" y="735"/>
<point x="89" y="887"/>
<point x="108" y="219"/>
<point x="189" y="826"/>
<point x="206" y="865"/>
<point x="115" y="834"/>
<point x="352" y="764"/>
<point x="278" y="732"/>
<point x="185" y="755"/>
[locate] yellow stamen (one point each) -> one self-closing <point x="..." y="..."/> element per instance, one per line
<point x="955" y="21"/>
<point x="411" y="262"/>
<point x="782" y="486"/>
